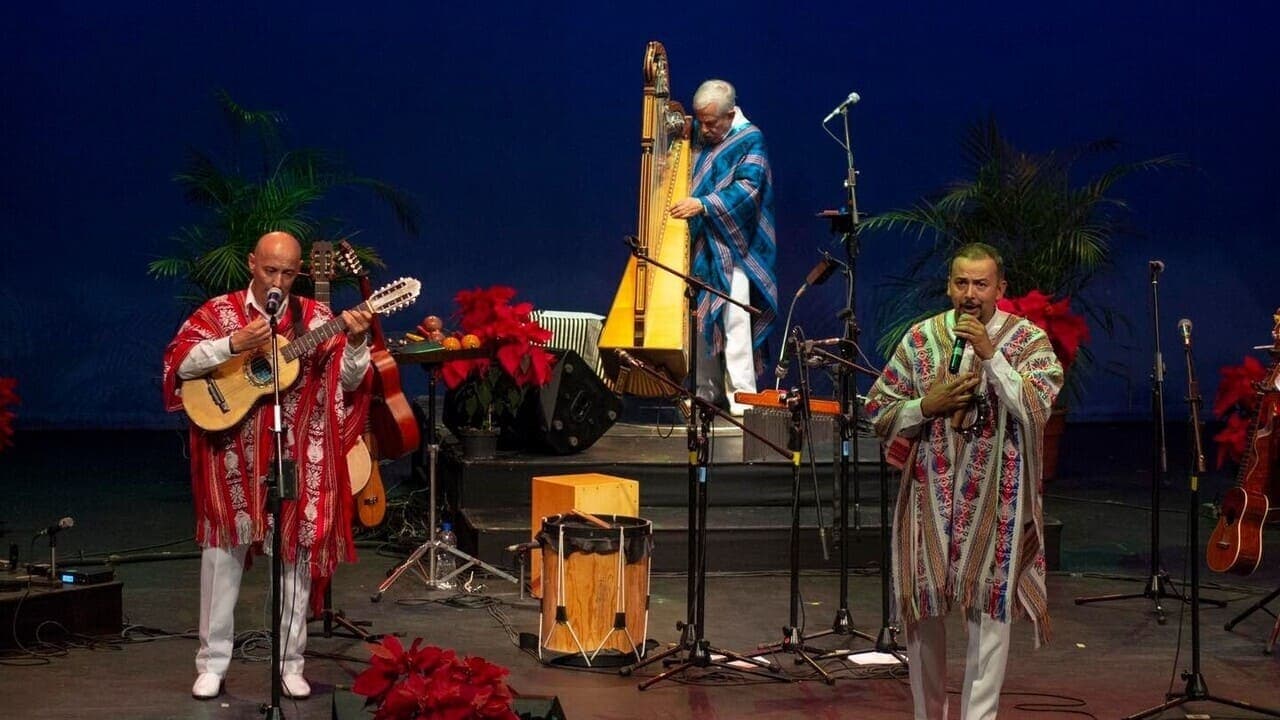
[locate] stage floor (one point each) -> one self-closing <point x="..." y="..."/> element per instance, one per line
<point x="128" y="495"/>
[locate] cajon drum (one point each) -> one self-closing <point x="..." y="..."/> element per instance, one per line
<point x="590" y="492"/>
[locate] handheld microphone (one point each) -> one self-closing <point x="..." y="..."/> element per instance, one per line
<point x="1184" y="327"/>
<point x="1157" y="266"/>
<point x="851" y="100"/>
<point x="274" y="297"/>
<point x="52" y="530"/>
<point x="957" y="353"/>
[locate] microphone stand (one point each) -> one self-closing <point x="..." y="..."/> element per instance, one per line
<point x="1158" y="584"/>
<point x="793" y="638"/>
<point x="847" y="470"/>
<point x="1196" y="690"/>
<point x="692" y="632"/>
<point x="884" y="640"/>
<point x="279" y="488"/>
<point x="694" y="646"/>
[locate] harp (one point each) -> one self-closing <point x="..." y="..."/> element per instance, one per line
<point x="649" y="316"/>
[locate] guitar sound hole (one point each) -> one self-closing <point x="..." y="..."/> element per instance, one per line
<point x="260" y="370"/>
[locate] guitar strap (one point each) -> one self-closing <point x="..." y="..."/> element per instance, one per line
<point x="295" y="315"/>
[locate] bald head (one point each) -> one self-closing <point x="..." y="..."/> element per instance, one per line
<point x="274" y="262"/>
<point x="278" y="241"/>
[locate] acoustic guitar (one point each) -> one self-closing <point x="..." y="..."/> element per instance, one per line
<point x="390" y="415"/>
<point x="1235" y="546"/>
<point x="360" y="465"/>
<point x="222" y="398"/>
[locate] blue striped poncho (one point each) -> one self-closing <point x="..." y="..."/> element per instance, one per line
<point x="735" y="185"/>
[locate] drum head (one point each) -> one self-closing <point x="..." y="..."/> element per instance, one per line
<point x="581" y="536"/>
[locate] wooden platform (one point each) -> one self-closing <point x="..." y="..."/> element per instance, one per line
<point x="749" y="502"/>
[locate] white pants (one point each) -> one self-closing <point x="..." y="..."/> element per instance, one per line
<point x="719" y="377"/>
<point x="220" y="573"/>
<point x="984" y="665"/>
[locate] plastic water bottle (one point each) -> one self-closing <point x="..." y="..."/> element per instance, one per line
<point x="446" y="562"/>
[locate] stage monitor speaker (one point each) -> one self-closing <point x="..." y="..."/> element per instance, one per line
<point x="349" y="706"/>
<point x="574" y="409"/>
<point x="538" y="707"/>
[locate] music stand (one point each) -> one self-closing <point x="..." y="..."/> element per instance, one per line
<point x="431" y="356"/>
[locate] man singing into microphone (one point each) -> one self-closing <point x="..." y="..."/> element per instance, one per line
<point x="229" y="468"/>
<point x="730" y="218"/>
<point x="968" y="531"/>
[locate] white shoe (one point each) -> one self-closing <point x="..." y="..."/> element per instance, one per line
<point x="296" y="687"/>
<point x="207" y="686"/>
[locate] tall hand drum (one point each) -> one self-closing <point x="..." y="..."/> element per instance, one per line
<point x="595" y="590"/>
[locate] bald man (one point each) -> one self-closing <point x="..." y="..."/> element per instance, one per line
<point x="229" y="468"/>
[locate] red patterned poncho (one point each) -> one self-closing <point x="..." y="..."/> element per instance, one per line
<point x="229" y="468"/>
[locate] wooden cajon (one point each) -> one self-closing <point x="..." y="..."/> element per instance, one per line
<point x="590" y="492"/>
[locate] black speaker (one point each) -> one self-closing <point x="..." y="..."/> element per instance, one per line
<point x="538" y="707"/>
<point x="574" y="409"/>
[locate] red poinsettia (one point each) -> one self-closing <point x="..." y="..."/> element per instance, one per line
<point x="1232" y="439"/>
<point x="1067" y="331"/>
<point x="518" y="343"/>
<point x="1236" y="387"/>
<point x="1236" y="402"/>
<point x="8" y="397"/>
<point x="426" y="681"/>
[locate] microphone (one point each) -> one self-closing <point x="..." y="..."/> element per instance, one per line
<point x="822" y="271"/>
<point x="1184" y="327"/>
<point x="1157" y="266"/>
<point x="825" y="342"/>
<point x="274" y="297"/>
<point x="851" y="100"/>
<point x="52" y="530"/>
<point x="957" y="353"/>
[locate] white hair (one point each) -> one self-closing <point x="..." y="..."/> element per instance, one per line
<point x="715" y="92"/>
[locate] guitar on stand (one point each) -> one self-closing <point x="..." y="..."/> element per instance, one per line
<point x="359" y="463"/>
<point x="361" y="466"/>
<point x="1235" y="545"/>
<point x="393" y="430"/>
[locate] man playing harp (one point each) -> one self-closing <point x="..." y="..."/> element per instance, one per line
<point x="730" y="214"/>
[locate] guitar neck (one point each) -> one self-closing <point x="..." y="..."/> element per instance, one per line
<point x="378" y="340"/>
<point x="308" y="342"/>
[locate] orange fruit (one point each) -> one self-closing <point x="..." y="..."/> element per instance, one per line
<point x="451" y="343"/>
<point x="470" y="341"/>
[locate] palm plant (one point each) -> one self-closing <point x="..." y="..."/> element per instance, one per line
<point x="1054" y="236"/>
<point x="279" y="188"/>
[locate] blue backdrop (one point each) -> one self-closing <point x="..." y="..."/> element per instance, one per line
<point x="517" y="129"/>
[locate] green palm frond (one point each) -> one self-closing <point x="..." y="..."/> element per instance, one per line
<point x="281" y="189"/>
<point x="1055" y="233"/>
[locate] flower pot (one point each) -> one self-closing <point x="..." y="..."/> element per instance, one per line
<point x="478" y="444"/>
<point x="1052" y="438"/>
